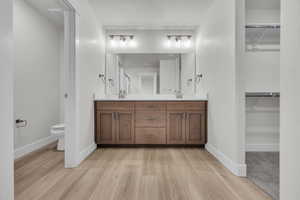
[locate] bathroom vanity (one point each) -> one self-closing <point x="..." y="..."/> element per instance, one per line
<point x="150" y="99"/>
<point x="149" y="122"/>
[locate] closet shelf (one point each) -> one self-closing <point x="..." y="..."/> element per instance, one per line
<point x="262" y="37"/>
<point x="262" y="110"/>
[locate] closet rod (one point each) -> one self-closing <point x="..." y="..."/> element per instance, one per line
<point x="263" y="26"/>
<point x="262" y="94"/>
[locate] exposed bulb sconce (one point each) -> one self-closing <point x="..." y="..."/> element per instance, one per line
<point x="169" y="41"/>
<point x="102" y="77"/>
<point x="198" y="78"/>
<point x="179" y="41"/>
<point x="122" y="41"/>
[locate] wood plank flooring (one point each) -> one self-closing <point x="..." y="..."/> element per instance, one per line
<point x="131" y="174"/>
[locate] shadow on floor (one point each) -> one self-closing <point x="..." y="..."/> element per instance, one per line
<point x="263" y="170"/>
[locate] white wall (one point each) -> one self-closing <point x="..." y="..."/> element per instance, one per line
<point x="149" y="41"/>
<point x="216" y="60"/>
<point x="37" y="74"/>
<point x="6" y="101"/>
<point x="262" y="127"/>
<point x="62" y="77"/>
<point x="90" y="53"/>
<point x="290" y="98"/>
<point x="188" y="73"/>
<point x="257" y="16"/>
<point x="261" y="71"/>
<point x="262" y="11"/>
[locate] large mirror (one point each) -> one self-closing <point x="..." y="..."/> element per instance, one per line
<point x="150" y="74"/>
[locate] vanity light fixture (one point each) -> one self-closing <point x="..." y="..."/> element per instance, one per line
<point x="179" y="41"/>
<point x="113" y="42"/>
<point x="187" y="42"/>
<point x="122" y="41"/>
<point x="132" y="42"/>
<point x="169" y="41"/>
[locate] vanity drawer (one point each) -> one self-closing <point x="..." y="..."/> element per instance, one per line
<point x="186" y="105"/>
<point x="150" y="136"/>
<point x="115" y="106"/>
<point x="150" y="119"/>
<point x="150" y="106"/>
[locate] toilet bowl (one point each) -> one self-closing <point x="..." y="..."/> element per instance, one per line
<point x="58" y="131"/>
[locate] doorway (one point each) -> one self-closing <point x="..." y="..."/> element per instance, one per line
<point x="44" y="33"/>
<point x="262" y="90"/>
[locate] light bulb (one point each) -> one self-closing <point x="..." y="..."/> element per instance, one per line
<point x="123" y="42"/>
<point x="132" y="43"/>
<point x="187" y="42"/>
<point x="178" y="42"/>
<point x="113" y="42"/>
<point x="168" y="42"/>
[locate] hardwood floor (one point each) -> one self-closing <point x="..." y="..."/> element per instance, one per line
<point x="131" y="174"/>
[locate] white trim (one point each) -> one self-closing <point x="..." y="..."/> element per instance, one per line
<point x="22" y="151"/>
<point x="86" y="152"/>
<point x="71" y="107"/>
<point x="72" y="4"/>
<point x="236" y="168"/>
<point x="262" y="147"/>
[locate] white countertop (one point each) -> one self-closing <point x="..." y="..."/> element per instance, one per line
<point x="154" y="98"/>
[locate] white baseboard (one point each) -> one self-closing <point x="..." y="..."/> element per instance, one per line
<point x="236" y="168"/>
<point x="86" y="152"/>
<point x="22" y="151"/>
<point x="262" y="147"/>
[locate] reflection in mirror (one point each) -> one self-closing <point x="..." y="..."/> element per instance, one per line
<point x="150" y="74"/>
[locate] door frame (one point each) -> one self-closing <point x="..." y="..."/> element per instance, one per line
<point x="71" y="14"/>
<point x="6" y="101"/>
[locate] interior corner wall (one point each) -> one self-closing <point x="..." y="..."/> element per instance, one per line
<point x="6" y="101"/>
<point x="289" y="100"/>
<point x="216" y="60"/>
<point x="37" y="71"/>
<point x="90" y="55"/>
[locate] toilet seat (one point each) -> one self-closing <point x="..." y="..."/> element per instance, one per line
<point x="58" y="131"/>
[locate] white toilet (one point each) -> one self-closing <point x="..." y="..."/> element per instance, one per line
<point x="58" y="131"/>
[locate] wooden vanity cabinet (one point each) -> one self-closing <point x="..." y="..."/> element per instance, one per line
<point x="114" y="123"/>
<point x="195" y="127"/>
<point x="186" y="123"/>
<point x="176" y="127"/>
<point x="105" y="127"/>
<point x="163" y="123"/>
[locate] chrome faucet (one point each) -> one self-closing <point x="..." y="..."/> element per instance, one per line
<point x="178" y="94"/>
<point x="122" y="94"/>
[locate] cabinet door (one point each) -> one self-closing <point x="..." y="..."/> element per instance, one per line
<point x="175" y="127"/>
<point x="105" y="128"/>
<point x="195" y="127"/>
<point x="125" y="127"/>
